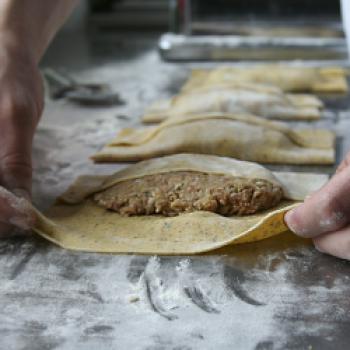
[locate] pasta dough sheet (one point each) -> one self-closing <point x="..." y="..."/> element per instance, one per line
<point x="239" y="136"/>
<point x="76" y="222"/>
<point x="257" y="99"/>
<point x="288" y="78"/>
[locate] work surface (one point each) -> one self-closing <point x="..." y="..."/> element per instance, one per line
<point x="276" y="294"/>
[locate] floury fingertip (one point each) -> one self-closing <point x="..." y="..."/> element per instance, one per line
<point x="290" y="221"/>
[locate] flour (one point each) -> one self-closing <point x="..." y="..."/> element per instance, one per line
<point x="332" y="221"/>
<point x="61" y="299"/>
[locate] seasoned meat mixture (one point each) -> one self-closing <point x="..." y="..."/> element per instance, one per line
<point x="173" y="193"/>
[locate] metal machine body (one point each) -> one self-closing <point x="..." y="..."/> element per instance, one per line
<point x="254" y="30"/>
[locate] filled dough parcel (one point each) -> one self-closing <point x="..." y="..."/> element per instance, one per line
<point x="239" y="136"/>
<point x="264" y="101"/>
<point x="79" y="222"/>
<point x="288" y="78"/>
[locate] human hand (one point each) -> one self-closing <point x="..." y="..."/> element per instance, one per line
<point x="325" y="215"/>
<point x="21" y="104"/>
<point x="16" y="214"/>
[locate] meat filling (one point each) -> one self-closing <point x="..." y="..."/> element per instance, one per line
<point x="182" y="192"/>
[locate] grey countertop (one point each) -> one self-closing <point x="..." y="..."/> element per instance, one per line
<point x="276" y="294"/>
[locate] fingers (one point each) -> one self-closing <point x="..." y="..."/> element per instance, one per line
<point x="16" y="174"/>
<point x="21" y="103"/>
<point x="15" y="211"/>
<point x="16" y="134"/>
<point x="335" y="243"/>
<point x="325" y="211"/>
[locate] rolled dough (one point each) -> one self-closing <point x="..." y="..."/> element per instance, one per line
<point x="288" y="78"/>
<point x="262" y="100"/>
<point x="240" y="136"/>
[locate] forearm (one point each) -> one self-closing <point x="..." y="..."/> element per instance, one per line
<point x="31" y="24"/>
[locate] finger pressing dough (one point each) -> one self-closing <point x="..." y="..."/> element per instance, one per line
<point x="289" y="79"/>
<point x="77" y="222"/>
<point x="261" y="100"/>
<point x="239" y="136"/>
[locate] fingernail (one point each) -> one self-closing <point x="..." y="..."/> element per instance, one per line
<point x="317" y="247"/>
<point x="289" y="219"/>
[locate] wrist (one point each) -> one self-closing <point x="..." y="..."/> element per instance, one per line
<point x="22" y="92"/>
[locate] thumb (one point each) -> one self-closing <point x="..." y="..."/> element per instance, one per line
<point x="15" y="176"/>
<point x="15" y="158"/>
<point x="325" y="211"/>
<point x="15" y="211"/>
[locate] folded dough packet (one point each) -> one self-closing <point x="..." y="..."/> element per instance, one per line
<point x="240" y="136"/>
<point x="262" y="100"/>
<point x="288" y="78"/>
<point x="77" y="222"/>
